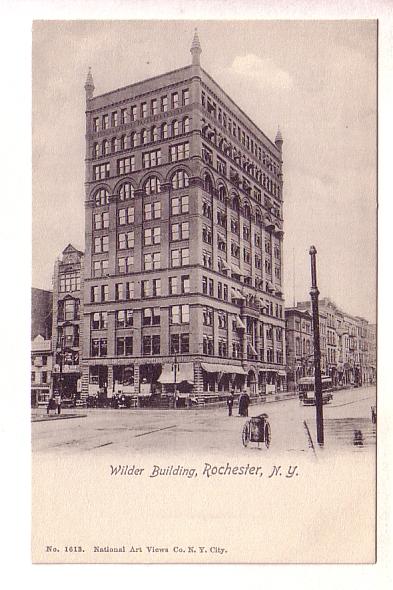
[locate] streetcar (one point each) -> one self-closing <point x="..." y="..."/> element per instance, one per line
<point x="307" y="391"/>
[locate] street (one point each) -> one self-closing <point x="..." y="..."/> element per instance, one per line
<point x="347" y="419"/>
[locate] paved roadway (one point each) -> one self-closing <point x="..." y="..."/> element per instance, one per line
<point x="347" y="427"/>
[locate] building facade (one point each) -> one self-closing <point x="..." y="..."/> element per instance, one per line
<point x="41" y="370"/>
<point x="346" y="344"/>
<point x="183" y="293"/>
<point x="299" y="345"/>
<point x="41" y="313"/>
<point x="67" y="323"/>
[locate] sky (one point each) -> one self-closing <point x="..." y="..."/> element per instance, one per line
<point x="314" y="79"/>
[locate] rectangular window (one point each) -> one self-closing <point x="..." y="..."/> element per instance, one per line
<point x="126" y="216"/>
<point x="119" y="291"/>
<point x="114" y="119"/>
<point x="204" y="285"/>
<point x="151" y="345"/>
<point x="99" y="347"/>
<point x="130" y="293"/>
<point x="126" y="240"/>
<point x="164" y="104"/>
<point x="185" y="284"/>
<point x="145" y="289"/>
<point x="96" y="124"/>
<point x="151" y="261"/>
<point x="143" y="110"/>
<point x="124" y="318"/>
<point x="179" y="152"/>
<point x="126" y="165"/>
<point x="125" y="264"/>
<point x="151" y="159"/>
<point x="124" y="346"/>
<point x="105" y="122"/>
<point x="100" y="268"/>
<point x="156" y="287"/>
<point x="104" y="292"/>
<point x="175" y="100"/>
<point x="154" y="106"/>
<point x="123" y="116"/>
<point x="186" y="96"/>
<point x="94" y="294"/>
<point x="173" y="285"/>
<point x="134" y="112"/>
<point x="101" y="171"/>
<point x="211" y="287"/>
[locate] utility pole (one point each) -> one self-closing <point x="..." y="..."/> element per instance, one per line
<point x="175" y="369"/>
<point x="317" y="348"/>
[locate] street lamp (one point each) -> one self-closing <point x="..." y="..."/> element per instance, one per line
<point x="317" y="348"/>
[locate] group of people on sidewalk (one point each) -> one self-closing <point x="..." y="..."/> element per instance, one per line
<point x="244" y="402"/>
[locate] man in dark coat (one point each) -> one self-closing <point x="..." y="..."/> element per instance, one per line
<point x="230" y="400"/>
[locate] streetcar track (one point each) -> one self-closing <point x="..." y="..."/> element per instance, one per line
<point x="152" y="431"/>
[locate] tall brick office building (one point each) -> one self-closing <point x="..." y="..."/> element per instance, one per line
<point x="184" y="229"/>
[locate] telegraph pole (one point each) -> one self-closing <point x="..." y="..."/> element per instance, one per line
<point x="317" y="348"/>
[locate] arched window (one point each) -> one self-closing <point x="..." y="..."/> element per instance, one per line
<point x="154" y="133"/>
<point x="143" y="136"/>
<point x="134" y="139"/>
<point x="258" y="216"/>
<point x="222" y="193"/>
<point x="298" y="349"/>
<point x="101" y="197"/>
<point x="175" y="128"/>
<point x="113" y="144"/>
<point x="164" y="131"/>
<point x="235" y="203"/>
<point x="208" y="184"/>
<point x="96" y="152"/>
<point x="105" y="147"/>
<point x="122" y="142"/>
<point x="126" y="191"/>
<point x="152" y="185"/>
<point x="186" y="125"/>
<point x="180" y="179"/>
<point x="247" y="211"/>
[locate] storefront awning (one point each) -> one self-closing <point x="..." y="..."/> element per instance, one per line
<point x="217" y="368"/>
<point x="282" y="373"/>
<point x="185" y="372"/>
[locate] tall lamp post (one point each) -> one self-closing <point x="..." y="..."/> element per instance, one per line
<point x="317" y="349"/>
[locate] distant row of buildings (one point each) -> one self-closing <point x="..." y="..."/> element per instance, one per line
<point x="179" y="291"/>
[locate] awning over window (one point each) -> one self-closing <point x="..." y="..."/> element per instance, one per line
<point x="225" y="265"/>
<point x="217" y="368"/>
<point x="263" y="303"/>
<point x="240" y="295"/>
<point x="252" y="349"/>
<point x="282" y="373"/>
<point x="240" y="323"/>
<point x="236" y="270"/>
<point x="185" y="372"/>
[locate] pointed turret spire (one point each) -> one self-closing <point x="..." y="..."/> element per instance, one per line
<point x="196" y="49"/>
<point x="89" y="86"/>
<point x="279" y="140"/>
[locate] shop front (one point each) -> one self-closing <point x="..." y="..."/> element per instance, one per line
<point x="177" y="380"/>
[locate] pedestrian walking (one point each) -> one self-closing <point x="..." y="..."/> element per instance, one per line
<point x="230" y="400"/>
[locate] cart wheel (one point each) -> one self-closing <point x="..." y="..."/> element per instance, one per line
<point x="246" y="434"/>
<point x="268" y="435"/>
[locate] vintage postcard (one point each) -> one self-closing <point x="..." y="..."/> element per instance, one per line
<point x="203" y="341"/>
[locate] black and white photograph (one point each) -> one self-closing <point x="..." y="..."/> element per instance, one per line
<point x="203" y="297"/>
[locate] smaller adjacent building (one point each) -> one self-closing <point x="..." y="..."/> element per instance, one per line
<point x="299" y="345"/>
<point x="67" y="324"/>
<point x="41" y="370"/>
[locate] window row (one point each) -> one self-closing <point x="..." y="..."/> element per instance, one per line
<point x="143" y="137"/>
<point x="144" y="109"/>
<point x="152" y="186"/>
